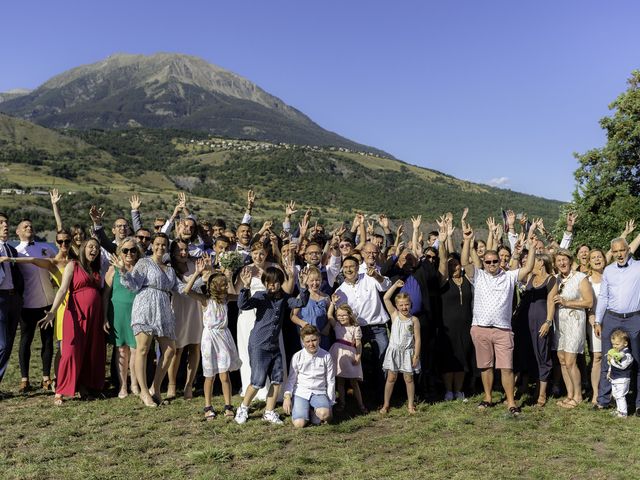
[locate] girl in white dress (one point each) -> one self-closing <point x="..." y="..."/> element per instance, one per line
<point x="219" y="353"/>
<point x="403" y="352"/>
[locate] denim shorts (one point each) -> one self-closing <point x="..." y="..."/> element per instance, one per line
<point x="301" y="405"/>
<point x="265" y="363"/>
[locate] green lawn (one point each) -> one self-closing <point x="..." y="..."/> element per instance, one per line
<point x="122" y="439"/>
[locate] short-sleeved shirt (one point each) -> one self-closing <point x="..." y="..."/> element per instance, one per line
<point x="493" y="298"/>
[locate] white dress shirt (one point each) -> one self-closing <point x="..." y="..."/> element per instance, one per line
<point x="312" y="375"/>
<point x="364" y="298"/>
<point x="38" y="292"/>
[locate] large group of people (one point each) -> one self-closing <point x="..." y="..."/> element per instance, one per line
<point x="307" y="317"/>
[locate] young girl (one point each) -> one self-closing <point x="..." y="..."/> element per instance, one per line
<point x="315" y="312"/>
<point x="403" y="352"/>
<point x="219" y="353"/>
<point x="347" y="350"/>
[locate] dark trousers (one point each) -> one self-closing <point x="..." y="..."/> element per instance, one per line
<point x="541" y="348"/>
<point x="630" y="325"/>
<point x="376" y="336"/>
<point x="28" y="326"/>
<point x="10" y="305"/>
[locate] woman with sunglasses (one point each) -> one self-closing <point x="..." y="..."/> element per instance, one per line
<point x="572" y="295"/>
<point x="55" y="266"/>
<point x="117" y="304"/>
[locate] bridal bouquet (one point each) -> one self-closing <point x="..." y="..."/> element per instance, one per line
<point x="231" y="261"/>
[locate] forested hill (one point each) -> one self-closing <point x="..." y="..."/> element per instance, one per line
<point x="106" y="167"/>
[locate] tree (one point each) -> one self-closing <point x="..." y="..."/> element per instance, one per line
<point x="608" y="179"/>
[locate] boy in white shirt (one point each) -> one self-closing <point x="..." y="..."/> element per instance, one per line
<point x="311" y="382"/>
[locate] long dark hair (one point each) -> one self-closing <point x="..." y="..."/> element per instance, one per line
<point x="173" y="254"/>
<point x="92" y="268"/>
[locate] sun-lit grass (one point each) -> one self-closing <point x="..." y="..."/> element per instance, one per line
<point x="115" y="438"/>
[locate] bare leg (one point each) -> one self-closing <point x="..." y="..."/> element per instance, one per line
<point x="173" y="373"/>
<point x="249" y="395"/>
<point x="143" y="342"/>
<point x="562" y="358"/>
<point x="388" y="390"/>
<point x="168" y="349"/>
<point x="542" y="393"/>
<point x="226" y="387"/>
<point x="135" y="389"/>
<point x="595" y="375"/>
<point x="193" y="360"/>
<point x="411" y="391"/>
<point x="208" y="389"/>
<point x="508" y="383"/>
<point x="123" y="367"/>
<point x="487" y="383"/>
<point x="574" y="375"/>
<point x="272" y="396"/>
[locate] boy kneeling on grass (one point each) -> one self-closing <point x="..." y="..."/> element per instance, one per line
<point x="310" y="391"/>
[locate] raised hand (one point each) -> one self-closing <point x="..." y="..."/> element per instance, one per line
<point x="303" y="226"/>
<point x="463" y="219"/>
<point x="266" y="226"/>
<point x="498" y="231"/>
<point x="182" y="200"/>
<point x="116" y="261"/>
<point x="448" y="217"/>
<point x="341" y="231"/>
<point x="208" y="261"/>
<point x="302" y="276"/>
<point x="383" y="220"/>
<point x="400" y="248"/>
<point x="251" y="199"/>
<point x="290" y="209"/>
<point x="399" y="231"/>
<point x="359" y="219"/>
<point x="398" y="284"/>
<point x="201" y="265"/>
<point x="491" y="224"/>
<point x="467" y="232"/>
<point x="245" y="276"/>
<point x="511" y="218"/>
<point x="96" y="214"/>
<point x="370" y="228"/>
<point x="629" y="227"/>
<point x="371" y="271"/>
<point x="55" y="196"/>
<point x="135" y="202"/>
<point x="416" y="222"/>
<point x="335" y="298"/>
<point x="523" y="219"/>
<point x="571" y="219"/>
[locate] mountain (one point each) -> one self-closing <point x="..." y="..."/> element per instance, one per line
<point x="15" y="93"/>
<point x="105" y="167"/>
<point x="167" y="90"/>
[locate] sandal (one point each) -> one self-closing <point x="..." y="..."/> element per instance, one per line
<point x="541" y="402"/>
<point x="47" y="384"/>
<point x="58" y="400"/>
<point x="188" y="393"/>
<point x="484" y="405"/>
<point x="514" y="411"/>
<point x="148" y="401"/>
<point x="568" y="403"/>
<point x="383" y="410"/>
<point x="209" y="413"/>
<point x="228" y="411"/>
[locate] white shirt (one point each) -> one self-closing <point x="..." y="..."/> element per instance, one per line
<point x="38" y="292"/>
<point x="493" y="298"/>
<point x="364" y="299"/>
<point x="312" y="375"/>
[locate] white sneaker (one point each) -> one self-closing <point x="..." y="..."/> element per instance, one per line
<point x="448" y="397"/>
<point x="460" y="396"/>
<point x="271" y="416"/>
<point x="242" y="414"/>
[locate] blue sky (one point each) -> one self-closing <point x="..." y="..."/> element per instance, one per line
<point x="492" y="91"/>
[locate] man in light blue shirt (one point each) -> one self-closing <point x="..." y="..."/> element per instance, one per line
<point x="618" y="308"/>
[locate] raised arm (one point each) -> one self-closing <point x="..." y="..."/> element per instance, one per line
<point x="67" y="275"/>
<point x="55" y="199"/>
<point x="136" y="219"/>
<point x="201" y="266"/>
<point x="45" y="263"/>
<point x="251" y="199"/>
<point x="362" y="232"/>
<point x="450" y="229"/>
<point x="415" y="223"/>
<point x="531" y="258"/>
<point x="388" y="303"/>
<point x="469" y="267"/>
<point x="443" y="254"/>
<point x="491" y="225"/>
<point x="289" y="210"/>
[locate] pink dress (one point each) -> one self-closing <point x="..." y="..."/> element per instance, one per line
<point x="344" y="351"/>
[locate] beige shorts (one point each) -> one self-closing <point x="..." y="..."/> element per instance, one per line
<point x="493" y="344"/>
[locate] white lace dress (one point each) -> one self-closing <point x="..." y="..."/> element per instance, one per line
<point x="219" y="353"/>
<point x="570" y="323"/>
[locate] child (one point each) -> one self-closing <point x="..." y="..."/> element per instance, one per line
<point x="264" y="346"/>
<point x="619" y="373"/>
<point x="310" y="391"/>
<point x="315" y="312"/>
<point x="403" y="352"/>
<point x="347" y="351"/>
<point x="219" y="353"/>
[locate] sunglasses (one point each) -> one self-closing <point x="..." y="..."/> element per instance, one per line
<point x="63" y="242"/>
<point x="491" y="262"/>
<point x="143" y="238"/>
<point x="344" y="245"/>
<point x="158" y="227"/>
<point x="126" y="251"/>
<point x="431" y="257"/>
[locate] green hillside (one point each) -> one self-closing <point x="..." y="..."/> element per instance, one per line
<point x="106" y="167"/>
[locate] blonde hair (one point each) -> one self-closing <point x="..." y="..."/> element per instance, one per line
<point x="620" y="335"/>
<point x="353" y="321"/>
<point x="402" y="296"/>
<point x="217" y="286"/>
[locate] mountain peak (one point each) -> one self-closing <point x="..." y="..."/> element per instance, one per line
<point x="168" y="90"/>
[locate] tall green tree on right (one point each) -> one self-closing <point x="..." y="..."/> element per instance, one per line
<point x="608" y="178"/>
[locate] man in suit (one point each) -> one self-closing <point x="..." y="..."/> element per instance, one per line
<point x="11" y="289"/>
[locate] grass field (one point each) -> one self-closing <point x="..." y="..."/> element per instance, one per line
<point x="115" y="438"/>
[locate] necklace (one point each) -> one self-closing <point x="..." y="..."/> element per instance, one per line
<point x="459" y="285"/>
<point x="544" y="280"/>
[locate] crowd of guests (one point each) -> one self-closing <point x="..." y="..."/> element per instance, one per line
<point x="308" y="317"/>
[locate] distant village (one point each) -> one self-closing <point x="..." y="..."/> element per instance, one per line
<point x="216" y="144"/>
